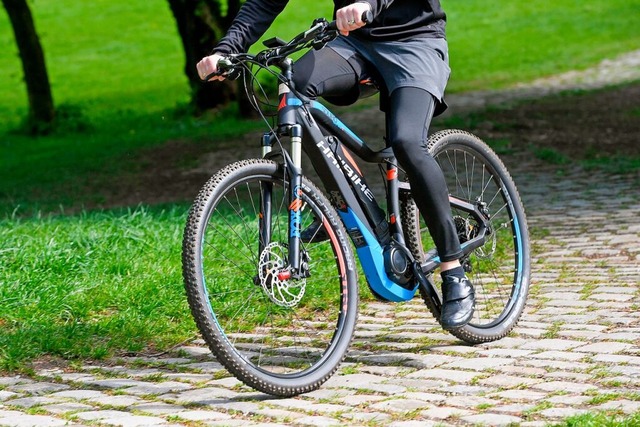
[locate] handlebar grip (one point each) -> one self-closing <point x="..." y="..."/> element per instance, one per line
<point x="332" y="26"/>
<point x="367" y="17"/>
<point x="225" y="68"/>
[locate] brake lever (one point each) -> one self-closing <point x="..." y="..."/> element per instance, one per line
<point x="329" y="32"/>
<point x="319" y="42"/>
<point x="226" y="69"/>
<point x="332" y="29"/>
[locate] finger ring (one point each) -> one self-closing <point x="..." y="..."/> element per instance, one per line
<point x="351" y="22"/>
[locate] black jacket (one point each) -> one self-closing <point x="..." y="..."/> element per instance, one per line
<point x="393" y="20"/>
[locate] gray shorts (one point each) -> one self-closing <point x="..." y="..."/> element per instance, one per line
<point x="419" y="62"/>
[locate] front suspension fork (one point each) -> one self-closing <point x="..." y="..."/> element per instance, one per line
<point x="294" y="178"/>
<point x="266" y="190"/>
<point x="295" y="197"/>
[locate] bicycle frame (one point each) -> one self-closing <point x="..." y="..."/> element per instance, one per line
<point x="366" y="223"/>
<point x="277" y="301"/>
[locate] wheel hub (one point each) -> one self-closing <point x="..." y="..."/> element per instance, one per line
<point x="276" y="278"/>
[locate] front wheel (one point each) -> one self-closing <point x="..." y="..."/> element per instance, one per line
<point x="500" y="269"/>
<point x="280" y="333"/>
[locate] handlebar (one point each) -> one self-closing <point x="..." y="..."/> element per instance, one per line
<point x="320" y="33"/>
<point x="367" y="18"/>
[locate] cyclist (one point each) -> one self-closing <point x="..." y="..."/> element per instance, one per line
<point x="405" y="48"/>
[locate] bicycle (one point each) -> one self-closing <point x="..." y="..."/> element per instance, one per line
<point x="276" y="304"/>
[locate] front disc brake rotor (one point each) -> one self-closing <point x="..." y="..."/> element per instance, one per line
<point x="275" y="278"/>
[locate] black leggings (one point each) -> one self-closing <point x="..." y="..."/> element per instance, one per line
<point x="409" y="113"/>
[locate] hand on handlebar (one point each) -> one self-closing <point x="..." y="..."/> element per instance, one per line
<point x="352" y="17"/>
<point x="208" y="68"/>
<point x="217" y="67"/>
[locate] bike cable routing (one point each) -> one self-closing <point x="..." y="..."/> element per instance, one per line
<point x="320" y="33"/>
<point x="316" y="37"/>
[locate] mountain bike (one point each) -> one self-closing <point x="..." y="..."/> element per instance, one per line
<point x="268" y="256"/>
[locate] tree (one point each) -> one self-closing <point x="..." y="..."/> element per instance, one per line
<point x="41" y="106"/>
<point x="201" y="24"/>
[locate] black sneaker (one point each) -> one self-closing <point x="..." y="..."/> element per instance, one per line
<point x="314" y="233"/>
<point x="458" y="302"/>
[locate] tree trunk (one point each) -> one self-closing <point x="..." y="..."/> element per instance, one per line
<point x="201" y="25"/>
<point x="41" y="107"/>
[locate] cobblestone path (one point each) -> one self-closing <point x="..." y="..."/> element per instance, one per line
<point x="576" y="348"/>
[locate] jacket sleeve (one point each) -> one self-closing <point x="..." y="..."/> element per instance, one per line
<point x="377" y="6"/>
<point x="252" y="21"/>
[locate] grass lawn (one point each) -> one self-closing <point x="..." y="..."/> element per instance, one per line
<point x="89" y="285"/>
<point x="117" y="56"/>
<point x="495" y="44"/>
<point x="92" y="284"/>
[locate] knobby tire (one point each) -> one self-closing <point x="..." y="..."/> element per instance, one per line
<point x="500" y="269"/>
<point x="280" y="348"/>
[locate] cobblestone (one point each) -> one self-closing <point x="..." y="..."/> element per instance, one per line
<point x="578" y="338"/>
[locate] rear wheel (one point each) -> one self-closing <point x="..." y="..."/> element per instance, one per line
<point x="499" y="269"/>
<point x="281" y="334"/>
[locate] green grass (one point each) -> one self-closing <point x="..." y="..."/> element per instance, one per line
<point x="59" y="170"/>
<point x="116" y="73"/>
<point x="109" y="57"/>
<point x="601" y="420"/>
<point x="550" y="155"/>
<point x="120" y="56"/>
<point x="104" y="56"/>
<point x="493" y="44"/>
<point x="617" y="164"/>
<point x="91" y="285"/>
<point x="94" y="284"/>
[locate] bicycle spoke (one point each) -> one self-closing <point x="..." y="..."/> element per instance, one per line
<point x="279" y="325"/>
<point x="499" y="269"/>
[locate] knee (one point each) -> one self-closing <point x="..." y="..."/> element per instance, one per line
<point x="303" y="85"/>
<point x="409" y="147"/>
<point x="303" y="76"/>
